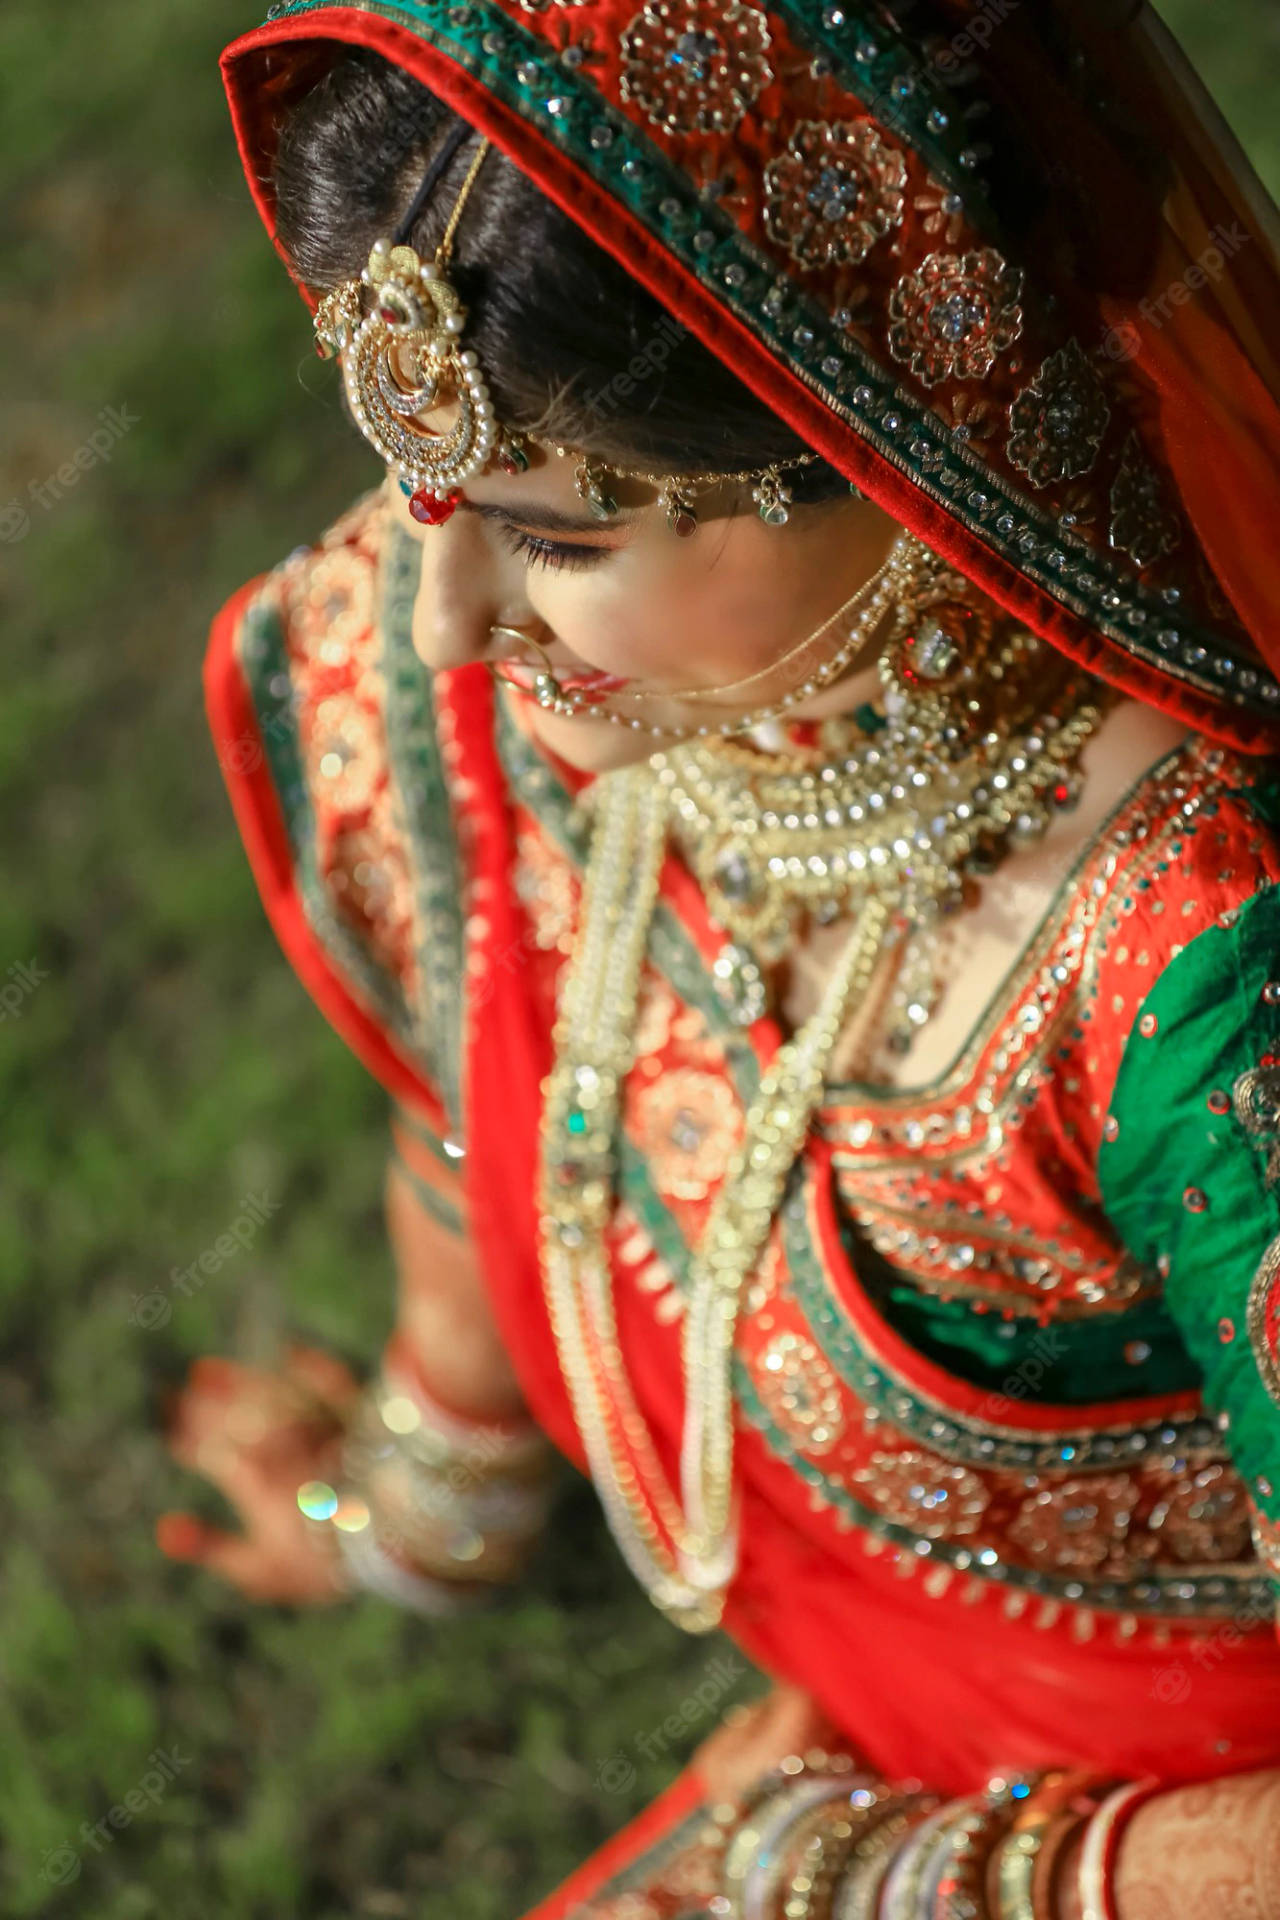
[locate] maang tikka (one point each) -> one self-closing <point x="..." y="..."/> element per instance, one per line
<point x="413" y="334"/>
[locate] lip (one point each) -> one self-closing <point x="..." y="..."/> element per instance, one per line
<point x="519" y="674"/>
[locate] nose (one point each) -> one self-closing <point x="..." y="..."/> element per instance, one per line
<point x="461" y="597"/>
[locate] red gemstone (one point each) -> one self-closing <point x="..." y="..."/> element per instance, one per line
<point x="390" y="315"/>
<point x="432" y="512"/>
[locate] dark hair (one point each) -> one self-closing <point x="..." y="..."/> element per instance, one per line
<point x="553" y="317"/>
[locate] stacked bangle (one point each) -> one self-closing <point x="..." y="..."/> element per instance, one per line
<point x="431" y="1510"/>
<point x="754" y="1848"/>
<point x="1020" y="1881"/>
<point x="818" y="1839"/>
<point x="858" y="1890"/>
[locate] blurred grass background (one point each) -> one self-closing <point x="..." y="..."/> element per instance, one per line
<point x="352" y="1762"/>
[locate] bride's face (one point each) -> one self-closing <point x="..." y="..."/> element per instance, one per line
<point x="630" y="598"/>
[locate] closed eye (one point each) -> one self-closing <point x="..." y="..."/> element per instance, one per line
<point x="550" y="553"/>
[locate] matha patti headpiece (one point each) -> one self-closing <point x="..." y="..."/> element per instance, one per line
<point x="413" y="334"/>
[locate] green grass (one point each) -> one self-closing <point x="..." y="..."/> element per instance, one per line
<point x="349" y="1763"/>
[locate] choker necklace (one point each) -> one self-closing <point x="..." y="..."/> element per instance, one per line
<point x="977" y="745"/>
<point x="887" y="804"/>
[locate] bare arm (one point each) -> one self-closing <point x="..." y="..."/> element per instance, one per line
<point x="443" y="1311"/>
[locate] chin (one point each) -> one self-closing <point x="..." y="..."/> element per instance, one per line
<point x="588" y="746"/>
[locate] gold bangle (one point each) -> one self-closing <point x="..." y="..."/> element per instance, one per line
<point x="857" y="1895"/>
<point x="819" y="1848"/>
<point x="900" y="1899"/>
<point x="1020" y="1874"/>
<point x="777" y="1800"/>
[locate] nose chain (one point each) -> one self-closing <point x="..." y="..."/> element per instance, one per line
<point x="890" y="585"/>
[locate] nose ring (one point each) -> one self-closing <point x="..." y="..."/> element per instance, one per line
<point x="547" y="690"/>
<point x="526" y="639"/>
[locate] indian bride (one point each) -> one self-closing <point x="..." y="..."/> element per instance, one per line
<point x="776" y="780"/>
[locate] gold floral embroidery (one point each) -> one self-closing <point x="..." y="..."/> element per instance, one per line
<point x="800" y="1392"/>
<point x="835" y="192"/>
<point x="340" y="751"/>
<point x="696" y="68"/>
<point x="954" y="315"/>
<point x="543" y="882"/>
<point x="931" y="1496"/>
<point x="688" y="1123"/>
<point x="1083" y="1524"/>
<point x="1204" y="1516"/>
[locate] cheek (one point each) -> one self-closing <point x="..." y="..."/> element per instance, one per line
<point x="672" y="617"/>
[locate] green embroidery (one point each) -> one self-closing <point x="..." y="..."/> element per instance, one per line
<point x="1240" y="1597"/>
<point x="261" y="650"/>
<point x="422" y="801"/>
<point x="992" y="1440"/>
<point x="421" y="1132"/>
<point x="969" y="1442"/>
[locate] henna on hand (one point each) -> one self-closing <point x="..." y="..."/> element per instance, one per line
<point x="1209" y="1851"/>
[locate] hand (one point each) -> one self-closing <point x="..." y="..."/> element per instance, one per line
<point x="752" y="1739"/>
<point x="257" y="1436"/>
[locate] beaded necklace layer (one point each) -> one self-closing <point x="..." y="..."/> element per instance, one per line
<point x="978" y="743"/>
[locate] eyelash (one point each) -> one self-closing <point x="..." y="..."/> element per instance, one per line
<point x="550" y="553"/>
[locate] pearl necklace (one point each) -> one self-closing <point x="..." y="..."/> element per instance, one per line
<point x="684" y="1548"/>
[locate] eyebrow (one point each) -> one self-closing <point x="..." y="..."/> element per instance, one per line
<point x="550" y="519"/>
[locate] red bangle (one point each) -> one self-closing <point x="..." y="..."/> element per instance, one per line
<point x="1102" y="1842"/>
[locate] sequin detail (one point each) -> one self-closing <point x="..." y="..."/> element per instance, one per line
<point x="1204" y="1516"/>
<point x="800" y="1391"/>
<point x="836" y="190"/>
<point x="1141" y="524"/>
<point x="695" y="67"/>
<point x="954" y="315"/>
<point x="1059" y="420"/>
<point x="931" y="1496"/>
<point x="1082" y="1524"/>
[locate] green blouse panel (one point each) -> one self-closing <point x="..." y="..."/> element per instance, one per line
<point x="1189" y="1173"/>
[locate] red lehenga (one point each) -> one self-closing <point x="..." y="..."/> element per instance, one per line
<point x="960" y="1561"/>
<point x="1008" y="1386"/>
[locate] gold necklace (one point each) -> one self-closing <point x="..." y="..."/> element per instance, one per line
<point x="684" y="1548"/>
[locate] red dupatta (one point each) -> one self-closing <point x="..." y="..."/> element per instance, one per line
<point x="1053" y="364"/>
